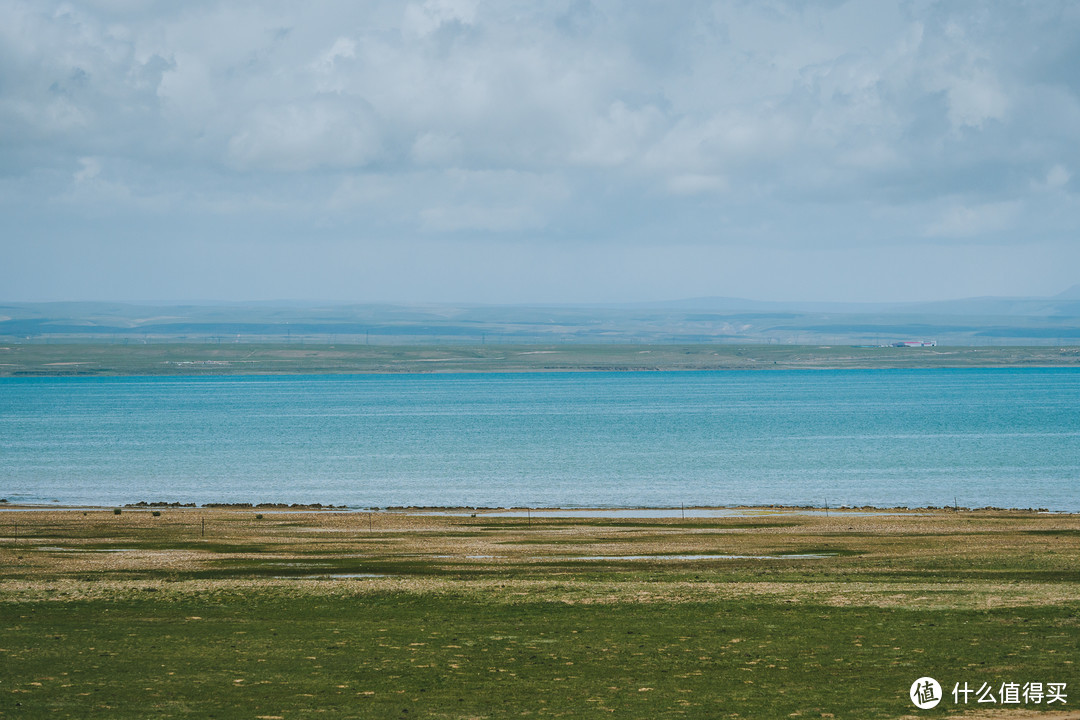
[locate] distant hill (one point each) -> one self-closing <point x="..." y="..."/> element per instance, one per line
<point x="1066" y="304"/>
<point x="1072" y="293"/>
<point x="971" y="321"/>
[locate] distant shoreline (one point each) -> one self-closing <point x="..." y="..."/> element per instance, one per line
<point x="180" y="359"/>
<point x="696" y="512"/>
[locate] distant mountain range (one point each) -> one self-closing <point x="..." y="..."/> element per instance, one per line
<point x="1065" y="304"/>
<point x="971" y="321"/>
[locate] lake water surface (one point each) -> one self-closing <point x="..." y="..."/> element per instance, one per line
<point x="1008" y="438"/>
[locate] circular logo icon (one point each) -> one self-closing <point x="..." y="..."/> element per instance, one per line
<point x="925" y="693"/>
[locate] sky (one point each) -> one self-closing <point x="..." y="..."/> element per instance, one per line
<point x="566" y="151"/>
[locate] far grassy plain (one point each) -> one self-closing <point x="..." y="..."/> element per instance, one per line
<point x="245" y="614"/>
<point x="175" y="358"/>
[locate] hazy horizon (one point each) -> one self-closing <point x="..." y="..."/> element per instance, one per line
<point x="514" y="153"/>
<point x="330" y="301"/>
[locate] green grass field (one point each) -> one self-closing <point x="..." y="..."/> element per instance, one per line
<point x="344" y="615"/>
<point x="90" y="359"/>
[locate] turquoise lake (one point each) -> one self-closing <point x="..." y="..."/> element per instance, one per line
<point x="1006" y="438"/>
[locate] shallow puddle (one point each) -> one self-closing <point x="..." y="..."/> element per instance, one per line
<point x="660" y="513"/>
<point x="330" y="576"/>
<point x="50" y="548"/>
<point x="797" y="556"/>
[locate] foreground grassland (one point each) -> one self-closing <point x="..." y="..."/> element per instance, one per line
<point x="89" y="359"/>
<point x="225" y="614"/>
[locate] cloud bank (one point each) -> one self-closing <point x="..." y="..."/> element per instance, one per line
<point x="511" y="151"/>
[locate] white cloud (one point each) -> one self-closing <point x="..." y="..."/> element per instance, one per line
<point x="975" y="99"/>
<point x="88" y="170"/>
<point x="426" y="18"/>
<point x="436" y="149"/>
<point x="617" y="136"/>
<point x="778" y="124"/>
<point x="189" y="89"/>
<point x="362" y="191"/>
<point x="1056" y="178"/>
<point x="490" y="201"/>
<point x="965" y="221"/>
<point x="454" y="218"/>
<point x="343" y="48"/>
<point x="695" y="184"/>
<point x="298" y="138"/>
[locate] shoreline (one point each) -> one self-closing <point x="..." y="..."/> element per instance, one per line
<point x="202" y="359"/>
<point x="644" y="512"/>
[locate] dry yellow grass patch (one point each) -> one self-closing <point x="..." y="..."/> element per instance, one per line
<point x="873" y="559"/>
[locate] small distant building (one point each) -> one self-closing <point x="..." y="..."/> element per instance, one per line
<point x="915" y="343"/>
